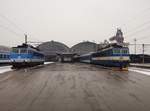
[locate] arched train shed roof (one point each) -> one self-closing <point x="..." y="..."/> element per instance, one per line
<point x="53" y="47"/>
<point x="84" y="47"/>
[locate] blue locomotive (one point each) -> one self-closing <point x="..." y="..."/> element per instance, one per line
<point x="113" y="55"/>
<point x="26" y="56"/>
<point x="4" y="58"/>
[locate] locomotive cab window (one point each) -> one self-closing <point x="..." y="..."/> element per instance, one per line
<point x="1" y="56"/>
<point x="30" y="51"/>
<point x="5" y="56"/>
<point x="15" y="50"/>
<point x="23" y="51"/>
<point x="125" y="51"/>
<point x="116" y="51"/>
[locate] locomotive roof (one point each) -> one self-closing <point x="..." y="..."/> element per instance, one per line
<point x="29" y="47"/>
<point x="26" y="46"/>
<point x="113" y="45"/>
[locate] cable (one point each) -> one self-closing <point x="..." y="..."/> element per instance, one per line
<point x="138" y="27"/>
<point x="142" y="37"/>
<point x="11" y="22"/>
<point x="10" y="30"/>
<point x="136" y="32"/>
<point x="135" y="28"/>
<point x="133" y="18"/>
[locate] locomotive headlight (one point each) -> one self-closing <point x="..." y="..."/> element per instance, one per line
<point x="12" y="60"/>
<point x="26" y="60"/>
<point x="121" y="57"/>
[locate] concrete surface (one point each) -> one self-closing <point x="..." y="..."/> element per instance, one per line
<point x="73" y="87"/>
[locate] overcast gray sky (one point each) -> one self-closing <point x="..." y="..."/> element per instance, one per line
<point x="72" y="21"/>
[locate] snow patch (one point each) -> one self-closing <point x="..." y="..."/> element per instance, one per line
<point x="141" y="71"/>
<point x="5" y="69"/>
<point x="48" y="63"/>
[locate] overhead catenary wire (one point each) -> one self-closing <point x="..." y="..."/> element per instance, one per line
<point x="16" y="26"/>
<point x="138" y="31"/>
<point x="138" y="27"/>
<point x="11" y="22"/>
<point x="10" y="30"/>
<point x="134" y="31"/>
<point x="143" y="37"/>
<point x="135" y="16"/>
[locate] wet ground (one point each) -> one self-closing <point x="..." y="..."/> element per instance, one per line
<point x="74" y="87"/>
